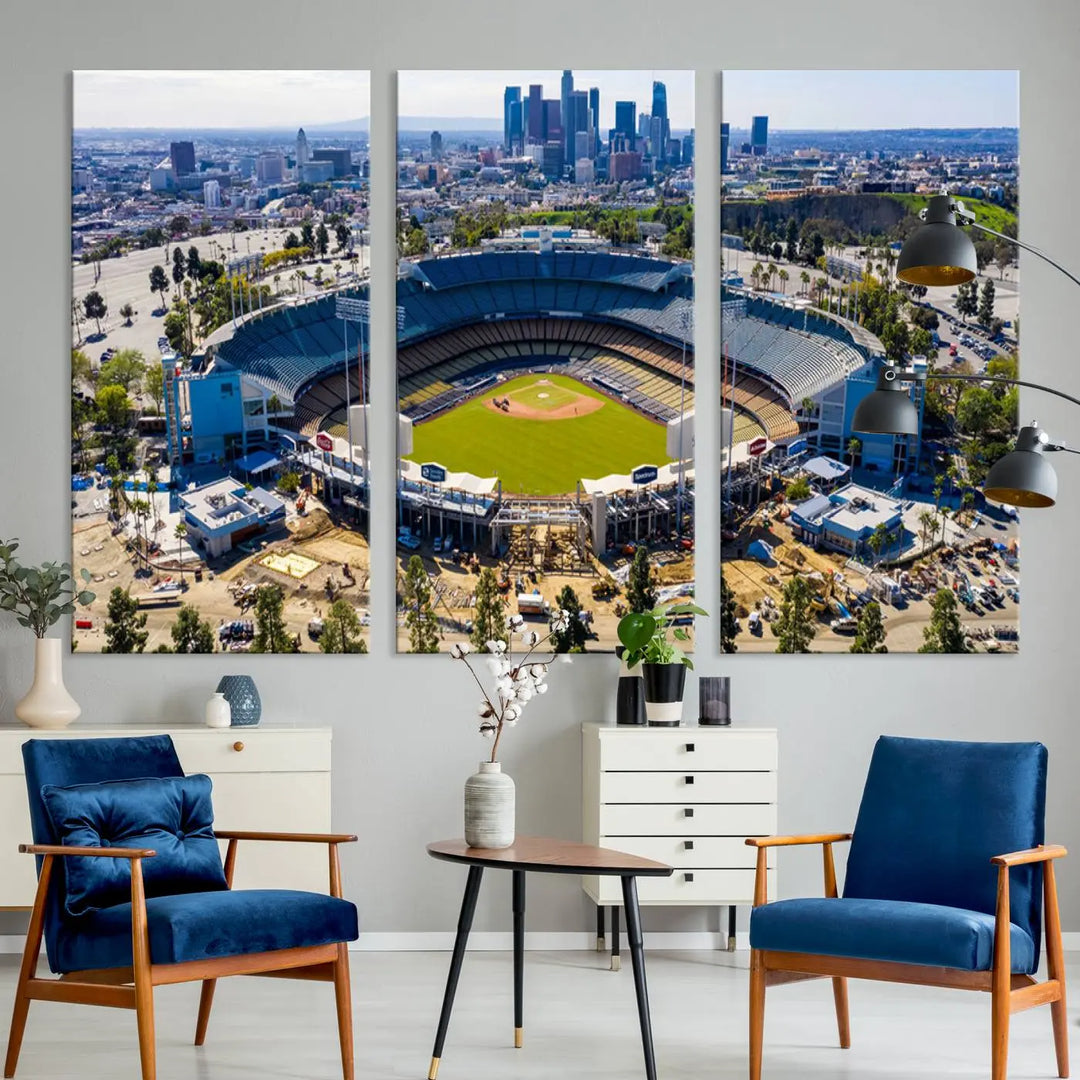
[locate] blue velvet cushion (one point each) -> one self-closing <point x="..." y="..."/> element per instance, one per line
<point x="934" y="813"/>
<point x="906" y="933"/>
<point x="173" y="816"/>
<point x="199" y="926"/>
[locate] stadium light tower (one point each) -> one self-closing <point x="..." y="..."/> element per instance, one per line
<point x="686" y="329"/>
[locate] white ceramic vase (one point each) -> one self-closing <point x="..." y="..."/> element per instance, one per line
<point x="489" y="808"/>
<point x="218" y="711"/>
<point x="48" y="704"/>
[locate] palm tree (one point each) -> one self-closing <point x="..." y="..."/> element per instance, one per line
<point x="854" y="448"/>
<point x="180" y="532"/>
<point x="783" y="275"/>
<point x="755" y="274"/>
<point x="804" y="277"/>
<point x="878" y="539"/>
<point x="771" y="272"/>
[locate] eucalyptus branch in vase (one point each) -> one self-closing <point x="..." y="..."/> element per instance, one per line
<point x="517" y="680"/>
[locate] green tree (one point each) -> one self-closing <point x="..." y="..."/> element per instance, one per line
<point x="159" y="282"/>
<point x="177" y="329"/>
<point x="343" y="234"/>
<point x="870" y="631"/>
<point x="307" y="235"/>
<point x="489" y="618"/>
<point x="416" y="243"/>
<point x="154" y="384"/>
<point x="878" y="540"/>
<point x="341" y="630"/>
<point x="113" y="407"/>
<point x="194" y="263"/>
<point x="82" y="371"/>
<point x="322" y="241"/>
<point x="179" y="268"/>
<point x="794" y="628"/>
<point x="572" y="639"/>
<point x="180" y="533"/>
<point x="271" y="634"/>
<point x="854" y="449"/>
<point x="289" y="482"/>
<point x="728" y="617"/>
<point x="419" y="613"/>
<point x="640" y="587"/>
<point x="95" y="307"/>
<point x="927" y="526"/>
<point x="124" y="626"/>
<point x="125" y="369"/>
<point x="180" y="225"/>
<point x="791" y="237"/>
<point x="966" y="301"/>
<point x="943" y="634"/>
<point x="190" y="634"/>
<point x="126" y="312"/>
<point x="798" y="489"/>
<point x="986" y="302"/>
<point x="977" y="411"/>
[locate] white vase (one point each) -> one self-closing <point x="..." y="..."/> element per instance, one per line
<point x="48" y="704"/>
<point x="218" y="711"/>
<point x="489" y="808"/>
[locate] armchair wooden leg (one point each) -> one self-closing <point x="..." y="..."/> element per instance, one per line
<point x="144" y="986"/>
<point x="1055" y="965"/>
<point x="206" y="1001"/>
<point x="843" y="1027"/>
<point x="343" y="995"/>
<point x="1001" y="982"/>
<point x="757" y="1011"/>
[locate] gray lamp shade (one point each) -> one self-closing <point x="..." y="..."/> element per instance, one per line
<point x="886" y="410"/>
<point x="939" y="252"/>
<point x="1023" y="477"/>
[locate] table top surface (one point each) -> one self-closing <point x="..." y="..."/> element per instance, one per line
<point x="547" y="855"/>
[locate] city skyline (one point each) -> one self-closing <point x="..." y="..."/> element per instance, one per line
<point x="203" y="100"/>
<point x="871" y="100"/>
<point x="479" y="94"/>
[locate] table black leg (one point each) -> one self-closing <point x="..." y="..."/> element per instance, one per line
<point x="468" y="907"/>
<point x="519" y="956"/>
<point x="731" y="928"/>
<point x="601" y="944"/>
<point x="637" y="959"/>
<point x="616" y="959"/>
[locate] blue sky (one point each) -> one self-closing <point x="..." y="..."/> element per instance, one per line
<point x="480" y="93"/>
<point x="208" y="99"/>
<point x="856" y="100"/>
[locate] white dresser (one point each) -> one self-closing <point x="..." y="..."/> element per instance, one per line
<point x="265" y="778"/>
<point x="686" y="796"/>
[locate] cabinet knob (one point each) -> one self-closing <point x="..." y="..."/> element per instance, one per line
<point x="689" y="747"/>
<point x="688" y="878"/>
<point x="238" y="746"/>
<point x="688" y="779"/>
<point x="688" y="845"/>
<point x="688" y="812"/>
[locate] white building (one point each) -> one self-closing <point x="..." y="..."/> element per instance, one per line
<point x="211" y="193"/>
<point x="270" y="168"/>
<point x="583" y="171"/>
<point x="303" y="154"/>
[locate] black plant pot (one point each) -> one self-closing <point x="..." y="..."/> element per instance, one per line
<point x="664" y="686"/>
<point x="630" y="698"/>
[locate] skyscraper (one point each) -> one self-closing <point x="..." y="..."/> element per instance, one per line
<point x="303" y="154"/>
<point x="759" y="135"/>
<point x="552" y="129"/>
<point x="725" y="143"/>
<point x="182" y="158"/>
<point x="567" y="88"/>
<point x="659" y="110"/>
<point x="211" y="191"/>
<point x="436" y="145"/>
<point x="575" y="121"/>
<point x="535" y="130"/>
<point x="594" y="117"/>
<point x="512" y="119"/>
<point x="625" y="120"/>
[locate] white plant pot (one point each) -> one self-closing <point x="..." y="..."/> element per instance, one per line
<point x="48" y="704"/>
<point x="489" y="808"/>
<point x="218" y="711"/>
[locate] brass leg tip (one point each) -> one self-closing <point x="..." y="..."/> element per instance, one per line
<point x="434" y="1070"/>
<point x="519" y="1038"/>
<point x="601" y="944"/>
<point x="616" y="963"/>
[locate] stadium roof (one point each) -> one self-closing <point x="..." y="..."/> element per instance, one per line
<point x="613" y="482"/>
<point x="458" y="481"/>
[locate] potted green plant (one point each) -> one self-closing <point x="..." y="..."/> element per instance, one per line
<point x="645" y="639"/>
<point x="38" y="597"/>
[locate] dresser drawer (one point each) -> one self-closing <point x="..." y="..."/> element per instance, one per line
<point x="672" y="819"/>
<point x="708" y="888"/>
<point x="260" y="751"/>
<point x="703" y="852"/>
<point x="688" y="749"/>
<point x="678" y="787"/>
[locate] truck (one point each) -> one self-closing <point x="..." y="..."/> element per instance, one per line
<point x="533" y="605"/>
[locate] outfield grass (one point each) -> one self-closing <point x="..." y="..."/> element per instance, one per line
<point x="540" y="457"/>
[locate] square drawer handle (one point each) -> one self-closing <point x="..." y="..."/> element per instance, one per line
<point x="688" y="779"/>
<point x="688" y="812"/>
<point x="689" y="747"/>
<point x="689" y="878"/>
<point x="688" y="845"/>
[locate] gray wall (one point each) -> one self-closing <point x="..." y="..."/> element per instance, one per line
<point x="404" y="729"/>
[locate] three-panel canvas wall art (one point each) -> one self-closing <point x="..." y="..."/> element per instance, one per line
<point x="545" y="361"/>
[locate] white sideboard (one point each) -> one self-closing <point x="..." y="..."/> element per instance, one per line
<point x="686" y="796"/>
<point x="268" y="778"/>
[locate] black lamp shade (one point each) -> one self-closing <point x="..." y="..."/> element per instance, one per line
<point x="886" y="410"/>
<point x="939" y="252"/>
<point x="1023" y="477"/>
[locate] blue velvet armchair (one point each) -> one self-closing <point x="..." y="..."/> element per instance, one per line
<point x="942" y="889"/>
<point x="132" y="892"/>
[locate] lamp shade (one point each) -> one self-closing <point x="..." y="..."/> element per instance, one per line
<point x="887" y="409"/>
<point x="1023" y="477"/>
<point x="939" y="252"/>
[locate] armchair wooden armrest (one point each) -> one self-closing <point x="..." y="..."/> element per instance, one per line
<point x="104" y="852"/>
<point x="286" y="837"/>
<point x="791" y="841"/>
<point x="1042" y="853"/>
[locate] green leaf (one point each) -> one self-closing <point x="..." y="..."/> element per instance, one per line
<point x="86" y="597"/>
<point x="681" y="634"/>
<point x="636" y="629"/>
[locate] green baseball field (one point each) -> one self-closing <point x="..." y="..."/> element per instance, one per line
<point x="540" y="434"/>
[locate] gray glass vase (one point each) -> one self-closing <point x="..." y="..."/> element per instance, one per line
<point x="243" y="699"/>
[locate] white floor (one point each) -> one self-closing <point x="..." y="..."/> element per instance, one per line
<point x="580" y="1024"/>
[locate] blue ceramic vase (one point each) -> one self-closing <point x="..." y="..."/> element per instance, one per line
<point x="243" y="699"/>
